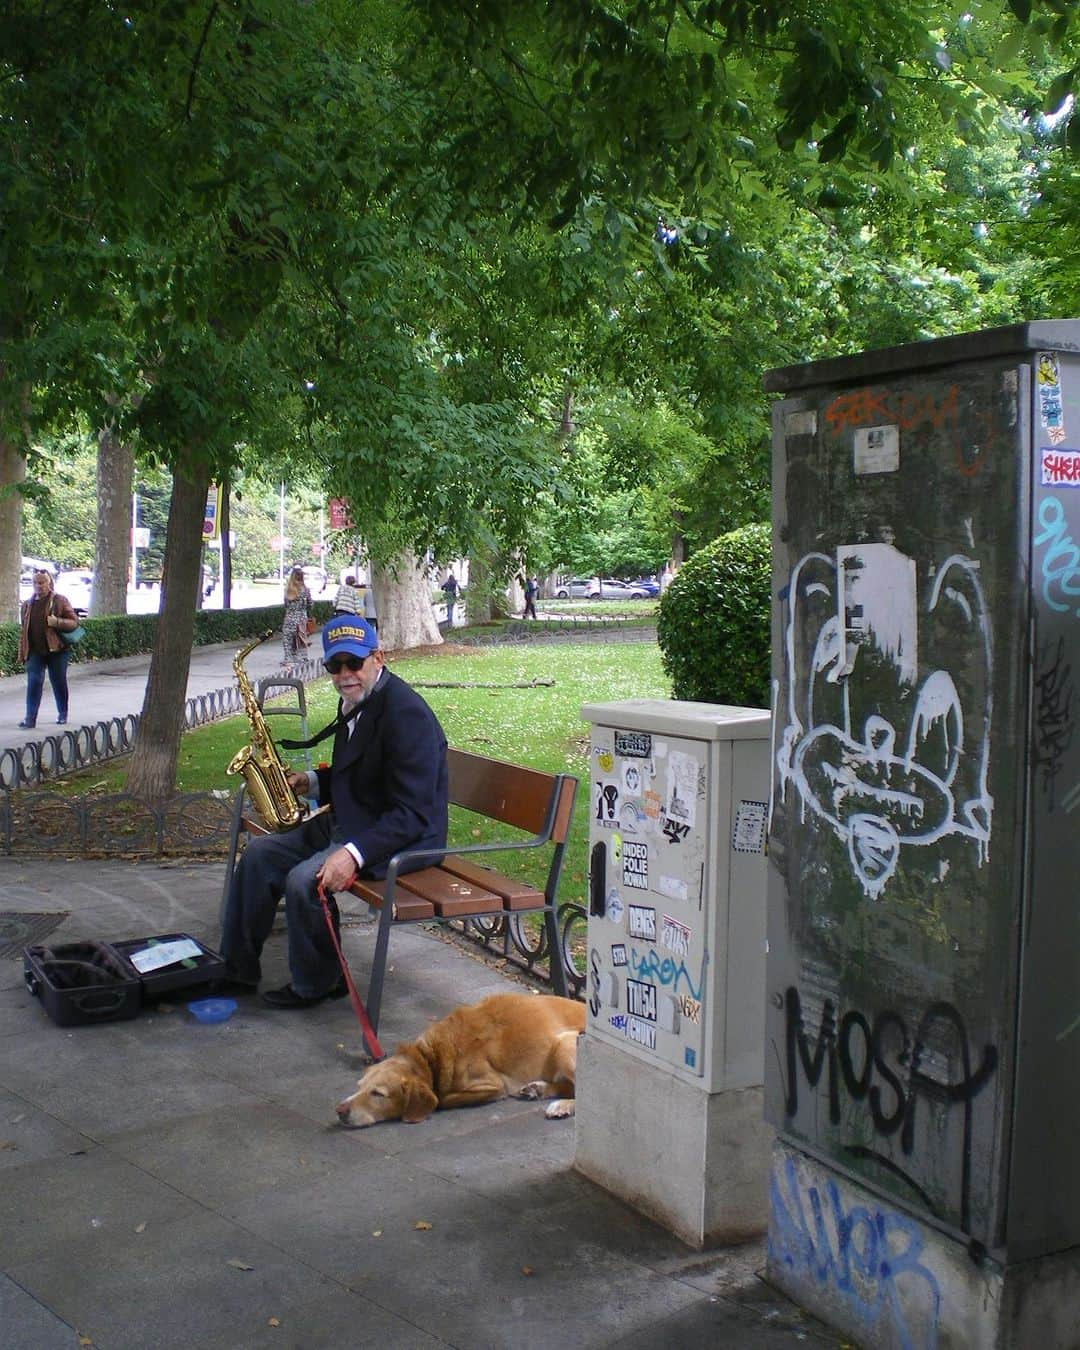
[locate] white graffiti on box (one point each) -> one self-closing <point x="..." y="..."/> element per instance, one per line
<point x="881" y="786"/>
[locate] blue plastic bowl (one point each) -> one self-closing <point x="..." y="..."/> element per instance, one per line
<point x="212" y="1009"/>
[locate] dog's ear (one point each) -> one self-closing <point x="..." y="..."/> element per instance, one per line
<point x="420" y="1101"/>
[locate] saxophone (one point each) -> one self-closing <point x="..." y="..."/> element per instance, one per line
<point x="260" y="762"/>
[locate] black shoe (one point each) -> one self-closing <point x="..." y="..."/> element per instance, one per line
<point x="228" y="986"/>
<point x="62" y="721"/>
<point x="287" y="997"/>
<point x="27" y="725"/>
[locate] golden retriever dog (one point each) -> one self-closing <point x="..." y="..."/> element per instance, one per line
<point x="507" y="1045"/>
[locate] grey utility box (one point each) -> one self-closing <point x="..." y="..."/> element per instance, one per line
<point x="923" y="1015"/>
<point x="670" y="1069"/>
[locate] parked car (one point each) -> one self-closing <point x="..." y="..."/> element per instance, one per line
<point x="595" y="588"/>
<point x="649" y="585"/>
<point x="578" y="589"/>
<point x="77" y="585"/>
<point x="609" y="589"/>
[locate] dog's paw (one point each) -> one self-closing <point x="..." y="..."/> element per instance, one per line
<point x="560" y="1109"/>
<point x="533" y="1091"/>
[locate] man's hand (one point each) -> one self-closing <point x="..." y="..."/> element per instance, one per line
<point x="297" y="781"/>
<point x="52" y="621"/>
<point x="338" y="871"/>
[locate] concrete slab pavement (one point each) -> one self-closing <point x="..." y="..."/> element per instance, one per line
<point x="169" y="1184"/>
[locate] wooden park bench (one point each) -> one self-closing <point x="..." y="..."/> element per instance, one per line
<point x="456" y="886"/>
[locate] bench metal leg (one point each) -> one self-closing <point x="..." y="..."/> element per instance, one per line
<point x="234" y="844"/>
<point x="373" y="1002"/>
<point x="555" y="955"/>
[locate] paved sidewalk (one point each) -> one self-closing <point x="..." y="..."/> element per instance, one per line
<point x="168" y="1184"/>
<point x="100" y="690"/>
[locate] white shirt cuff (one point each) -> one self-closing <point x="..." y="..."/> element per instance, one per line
<point x="358" y="857"/>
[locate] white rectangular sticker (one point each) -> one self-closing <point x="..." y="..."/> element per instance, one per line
<point x="877" y="449"/>
<point x="749" y="833"/>
<point x="675" y="936"/>
<point x="673" y="887"/>
<point x="682" y="782"/>
<point x="800" y="423"/>
<point x="1060" y="468"/>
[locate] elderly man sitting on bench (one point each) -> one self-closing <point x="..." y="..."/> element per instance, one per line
<point x="387" y="791"/>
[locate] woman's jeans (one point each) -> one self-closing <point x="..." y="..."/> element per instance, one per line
<point x="56" y="663"/>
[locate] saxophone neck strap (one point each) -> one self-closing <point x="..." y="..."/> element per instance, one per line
<point x="328" y="730"/>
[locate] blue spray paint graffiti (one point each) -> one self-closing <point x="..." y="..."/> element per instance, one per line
<point x="1061" y="559"/>
<point x="648" y="965"/>
<point x="870" y="1257"/>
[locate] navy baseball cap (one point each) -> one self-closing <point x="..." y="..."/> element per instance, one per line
<point x="348" y="635"/>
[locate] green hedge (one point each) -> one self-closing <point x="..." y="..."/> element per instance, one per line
<point x="117" y="635"/>
<point x="713" y="627"/>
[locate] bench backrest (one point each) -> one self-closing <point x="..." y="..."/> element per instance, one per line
<point x="510" y="793"/>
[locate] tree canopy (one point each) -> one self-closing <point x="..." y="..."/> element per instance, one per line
<point x="505" y="275"/>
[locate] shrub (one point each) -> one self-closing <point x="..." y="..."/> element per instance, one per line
<point x="713" y="628"/>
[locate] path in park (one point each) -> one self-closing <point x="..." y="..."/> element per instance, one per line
<point x="100" y="690"/>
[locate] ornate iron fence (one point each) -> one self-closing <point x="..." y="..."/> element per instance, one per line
<point x="68" y="751"/>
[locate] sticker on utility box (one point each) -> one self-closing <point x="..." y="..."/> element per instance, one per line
<point x="1060" y="468"/>
<point x="641" y="1000"/>
<point x="635" y="865"/>
<point x="637" y="744"/>
<point x="749" y="832"/>
<point x="641" y="922"/>
<point x="877" y="449"/>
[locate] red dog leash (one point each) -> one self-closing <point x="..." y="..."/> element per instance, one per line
<point x="366" y="1029"/>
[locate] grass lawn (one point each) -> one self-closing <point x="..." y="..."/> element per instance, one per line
<point x="540" y="727"/>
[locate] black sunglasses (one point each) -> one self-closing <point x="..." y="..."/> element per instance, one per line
<point x="351" y="663"/>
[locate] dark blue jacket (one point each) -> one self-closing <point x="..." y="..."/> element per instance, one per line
<point x="387" y="783"/>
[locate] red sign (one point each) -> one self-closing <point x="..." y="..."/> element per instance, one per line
<point x="340" y="519"/>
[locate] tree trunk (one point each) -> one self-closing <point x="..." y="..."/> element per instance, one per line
<point x="486" y="597"/>
<point x="403" y="604"/>
<point x="112" y="551"/>
<point x="12" y="473"/>
<point x="14" y="416"/>
<point x="678" y="540"/>
<point x="152" y="776"/>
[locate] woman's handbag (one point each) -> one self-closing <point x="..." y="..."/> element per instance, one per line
<point x="311" y="625"/>
<point x="70" y="639"/>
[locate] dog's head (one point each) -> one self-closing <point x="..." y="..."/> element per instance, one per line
<point x="393" y="1089"/>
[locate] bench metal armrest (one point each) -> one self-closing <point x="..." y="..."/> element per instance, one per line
<point x="415" y="854"/>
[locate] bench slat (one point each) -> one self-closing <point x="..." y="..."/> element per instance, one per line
<point x="514" y="894"/>
<point x="408" y="905"/>
<point x="451" y="896"/>
<point x="505" y="792"/>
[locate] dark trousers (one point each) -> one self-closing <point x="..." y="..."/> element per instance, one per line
<point x="56" y="663"/>
<point x="530" y="608"/>
<point x="270" y="866"/>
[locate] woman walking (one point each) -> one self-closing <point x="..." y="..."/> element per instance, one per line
<point x="44" y="617"/>
<point x="294" y="629"/>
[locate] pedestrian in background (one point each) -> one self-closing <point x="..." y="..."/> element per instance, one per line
<point x="369" y="606"/>
<point x="347" y="601"/>
<point x="294" y="628"/>
<point x="532" y="590"/>
<point x="43" y="618"/>
<point x="450" y="589"/>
